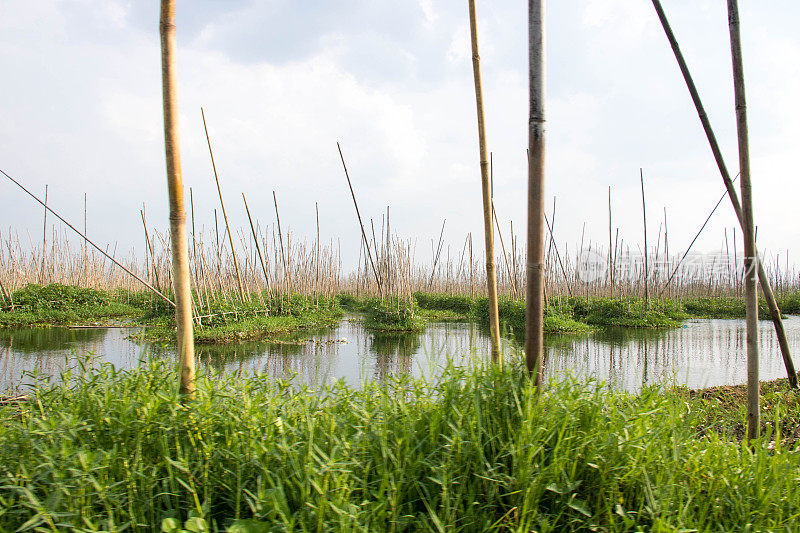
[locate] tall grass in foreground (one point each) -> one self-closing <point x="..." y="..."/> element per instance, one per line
<point x="478" y="450"/>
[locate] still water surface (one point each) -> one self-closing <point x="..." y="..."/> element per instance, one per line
<point x="701" y="353"/>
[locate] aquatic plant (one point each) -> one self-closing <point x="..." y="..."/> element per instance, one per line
<point x="478" y="450"/>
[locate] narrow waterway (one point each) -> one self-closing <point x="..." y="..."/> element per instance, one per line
<point x="701" y="353"/>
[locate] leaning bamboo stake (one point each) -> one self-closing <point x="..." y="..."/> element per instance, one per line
<point x="511" y="279"/>
<point x="751" y="289"/>
<point x="644" y="225"/>
<point x="360" y="223"/>
<point x="534" y="296"/>
<point x="194" y="240"/>
<point x="224" y="214"/>
<point x="151" y="248"/>
<point x="491" y="275"/>
<point x="177" y="213"/>
<point x="5" y="294"/>
<point x="775" y="312"/>
<point x="85" y="238"/>
<point x="258" y="248"/>
<point x="44" y="236"/>
<point x="280" y="237"/>
<point x="612" y="257"/>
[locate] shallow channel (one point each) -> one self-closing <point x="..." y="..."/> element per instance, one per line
<point x="702" y="353"/>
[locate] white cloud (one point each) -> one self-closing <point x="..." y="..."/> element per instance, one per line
<point x="83" y="111"/>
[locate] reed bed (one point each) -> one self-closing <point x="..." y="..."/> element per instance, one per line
<point x="280" y="265"/>
<point x="478" y="450"/>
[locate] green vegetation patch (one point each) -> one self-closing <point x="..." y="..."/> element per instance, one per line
<point x="65" y="305"/>
<point x="393" y="314"/>
<point x="479" y="450"/>
<point x="730" y="307"/>
<point x="558" y="317"/>
<point x="630" y="312"/>
<point x="453" y="303"/>
<point x="262" y="316"/>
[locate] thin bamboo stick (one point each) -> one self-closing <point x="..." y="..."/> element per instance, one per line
<point x="70" y="226"/>
<point x="44" y="235"/>
<point x="258" y="248"/>
<point x="644" y="224"/>
<point x="224" y="214"/>
<point x="361" y="224"/>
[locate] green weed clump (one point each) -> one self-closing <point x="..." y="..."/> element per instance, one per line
<point x="462" y="305"/>
<point x="393" y="314"/>
<point x="731" y="307"/>
<point x="558" y="316"/>
<point x="631" y="313"/>
<point x="478" y="450"/>
<point x="721" y="307"/>
<point x="262" y="315"/>
<point x="63" y="305"/>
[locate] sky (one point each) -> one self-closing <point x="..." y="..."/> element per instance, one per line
<point x="281" y="82"/>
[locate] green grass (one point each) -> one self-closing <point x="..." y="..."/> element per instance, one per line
<point x="393" y="314"/>
<point x="565" y="315"/>
<point x="629" y="312"/>
<point x="456" y="304"/>
<point x="388" y="314"/>
<point x="261" y="317"/>
<point x="729" y="307"/>
<point x="479" y="450"/>
<point x="63" y="305"/>
<point x="225" y="321"/>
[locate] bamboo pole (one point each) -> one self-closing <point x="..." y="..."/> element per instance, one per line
<point x="723" y="169"/>
<point x="558" y="256"/>
<point x="360" y="223"/>
<point x="280" y="238"/>
<point x="177" y="214"/>
<point x="644" y="225"/>
<point x="224" y="214"/>
<point x="85" y="238"/>
<point x="505" y="254"/>
<point x="85" y="250"/>
<point x="5" y="294"/>
<point x="152" y="250"/>
<point x="491" y="275"/>
<point x="436" y="255"/>
<point x="751" y="289"/>
<point x="258" y="248"/>
<point x="194" y="241"/>
<point x="611" y="255"/>
<point x="534" y="298"/>
<point x="44" y="236"/>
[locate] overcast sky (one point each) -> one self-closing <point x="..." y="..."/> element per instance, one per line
<point x="282" y="81"/>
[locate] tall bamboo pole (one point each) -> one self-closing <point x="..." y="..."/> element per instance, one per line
<point x="775" y="312"/>
<point x="751" y="289"/>
<point x="491" y="275"/>
<point x="534" y="296"/>
<point x="177" y="212"/>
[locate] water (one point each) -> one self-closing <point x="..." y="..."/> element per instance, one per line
<point x="703" y="353"/>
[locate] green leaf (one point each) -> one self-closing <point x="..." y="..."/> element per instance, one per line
<point x="248" y="526"/>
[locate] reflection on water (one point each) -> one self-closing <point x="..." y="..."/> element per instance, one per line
<point x="702" y="353"/>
